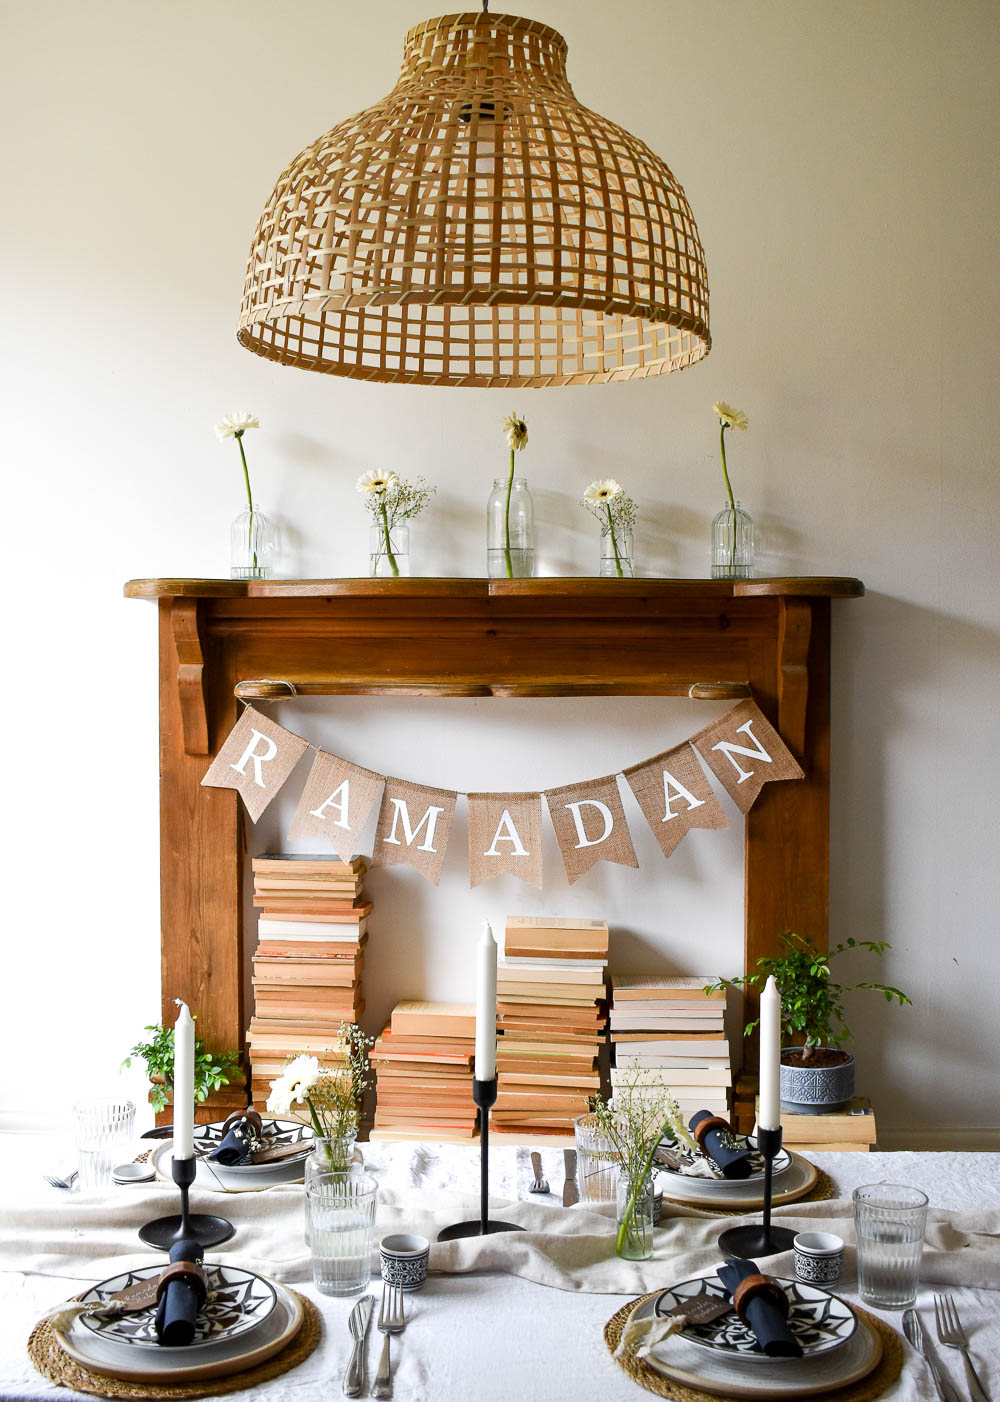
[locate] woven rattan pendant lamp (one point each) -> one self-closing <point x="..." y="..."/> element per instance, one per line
<point x="478" y="227"/>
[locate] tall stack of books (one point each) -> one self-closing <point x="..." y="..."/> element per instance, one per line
<point x="423" y="1073"/>
<point x="550" y="1014"/>
<point x="669" y="1029"/>
<point x="308" y="961"/>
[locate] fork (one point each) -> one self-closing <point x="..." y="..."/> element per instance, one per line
<point x="540" y="1185"/>
<point x="55" y="1182"/>
<point x="952" y="1335"/>
<point x="391" y="1320"/>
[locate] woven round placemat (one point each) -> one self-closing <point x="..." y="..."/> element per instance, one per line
<point x="886" y="1371"/>
<point x="821" y="1191"/>
<point x="49" y="1357"/>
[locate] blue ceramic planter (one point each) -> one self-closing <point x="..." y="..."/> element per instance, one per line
<point x="816" y="1090"/>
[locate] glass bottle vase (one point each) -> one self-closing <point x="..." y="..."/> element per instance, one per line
<point x="389" y="559"/>
<point x="510" y="530"/>
<point x="617" y="552"/>
<point x="732" y="544"/>
<point x="253" y="546"/>
<point x="329" y="1155"/>
<point x="634" y="1214"/>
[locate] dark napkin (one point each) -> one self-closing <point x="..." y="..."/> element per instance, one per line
<point x="238" y="1144"/>
<point x="177" y="1312"/>
<point x="765" y="1316"/>
<point x="734" y="1162"/>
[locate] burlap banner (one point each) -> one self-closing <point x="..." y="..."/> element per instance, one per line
<point x="255" y="760"/>
<point x="590" y="825"/>
<point x="745" y="752"/>
<point x="336" y="803"/>
<point x="414" y="824"/>
<point x="674" y="795"/>
<point x="505" y="837"/>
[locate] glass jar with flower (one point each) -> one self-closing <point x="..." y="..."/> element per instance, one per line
<point x="641" y="1113"/>
<point x="732" y="529"/>
<point x="253" y="545"/>
<point x="510" y="514"/>
<point x="608" y="500"/>
<point x="391" y="501"/>
<point x="331" y="1094"/>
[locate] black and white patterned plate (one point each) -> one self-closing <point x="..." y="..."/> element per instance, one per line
<point x="818" y="1320"/>
<point x="687" y="1157"/>
<point x="207" y="1138"/>
<point x="237" y="1302"/>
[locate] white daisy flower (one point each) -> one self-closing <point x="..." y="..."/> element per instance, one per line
<point x="517" y="432"/>
<point x="236" y="424"/>
<point x="378" y="483"/>
<point x="732" y="418"/>
<point x="600" y="492"/>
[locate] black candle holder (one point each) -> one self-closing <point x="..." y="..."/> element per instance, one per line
<point x="484" y="1093"/>
<point x="762" y="1240"/>
<point x="201" y="1227"/>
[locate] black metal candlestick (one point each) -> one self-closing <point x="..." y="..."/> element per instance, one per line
<point x="763" y="1240"/>
<point x="484" y="1093"/>
<point x="207" y="1230"/>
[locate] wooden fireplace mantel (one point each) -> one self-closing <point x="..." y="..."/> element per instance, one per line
<point x="222" y="639"/>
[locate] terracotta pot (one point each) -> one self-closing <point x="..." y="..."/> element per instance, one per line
<point x="816" y="1090"/>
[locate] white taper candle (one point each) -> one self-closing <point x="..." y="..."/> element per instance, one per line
<point x="769" y="1106"/>
<point x="183" y="1083"/>
<point x="486" y="1006"/>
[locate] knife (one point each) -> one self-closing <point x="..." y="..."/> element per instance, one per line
<point x="571" y="1193"/>
<point x="914" y="1331"/>
<point x="354" y="1378"/>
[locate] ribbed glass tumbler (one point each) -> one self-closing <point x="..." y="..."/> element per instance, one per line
<point x="889" y="1223"/>
<point x="340" y="1230"/>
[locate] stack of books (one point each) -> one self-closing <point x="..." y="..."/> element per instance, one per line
<point x="423" y="1073"/>
<point x="668" y="1029"/>
<point x="551" y="1020"/>
<point x="308" y="961"/>
<point x="851" y="1130"/>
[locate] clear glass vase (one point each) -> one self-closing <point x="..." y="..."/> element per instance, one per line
<point x="513" y="556"/>
<point x="634" y="1213"/>
<point x="617" y="552"/>
<point x="329" y="1155"/>
<point x="389" y="559"/>
<point x="732" y="544"/>
<point x="253" y="546"/>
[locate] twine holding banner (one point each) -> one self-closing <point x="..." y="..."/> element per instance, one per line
<point x="590" y="825"/>
<point x="256" y="758"/>
<point x="414" y="825"/>
<point x="674" y="795"/>
<point x="336" y="803"/>
<point x="505" y="837"/>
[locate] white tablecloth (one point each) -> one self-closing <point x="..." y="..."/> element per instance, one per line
<point x="493" y="1335"/>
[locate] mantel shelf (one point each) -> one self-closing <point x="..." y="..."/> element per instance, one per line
<point x="583" y="587"/>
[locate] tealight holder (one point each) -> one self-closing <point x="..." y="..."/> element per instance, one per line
<point x="763" y="1239"/>
<point x="202" y="1227"/>
<point x="484" y="1093"/>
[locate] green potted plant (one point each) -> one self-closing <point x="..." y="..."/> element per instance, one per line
<point x="212" y="1070"/>
<point x="817" y="1075"/>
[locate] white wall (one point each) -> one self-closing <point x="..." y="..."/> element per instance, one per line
<point x="840" y="161"/>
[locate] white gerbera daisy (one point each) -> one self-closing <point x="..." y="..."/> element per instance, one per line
<point x="302" y="1074"/>
<point x="378" y="483"/>
<point x="236" y="424"/>
<point x="604" y="490"/>
<point x="731" y="418"/>
<point x="517" y="432"/>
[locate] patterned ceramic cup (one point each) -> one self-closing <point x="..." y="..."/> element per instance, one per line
<point x="819" y="1257"/>
<point x="404" y="1260"/>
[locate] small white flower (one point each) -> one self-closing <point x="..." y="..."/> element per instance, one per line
<point x="279" y="1102"/>
<point x="302" y="1074"/>
<point x="517" y="432"/>
<point x="236" y="424"/>
<point x="731" y="418"/>
<point x="604" y="490"/>
<point x="376" y="483"/>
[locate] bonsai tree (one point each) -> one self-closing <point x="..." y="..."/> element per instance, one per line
<point x="812" y="1009"/>
<point x="212" y="1070"/>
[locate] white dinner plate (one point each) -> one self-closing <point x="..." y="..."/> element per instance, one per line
<point x="818" y="1319"/>
<point x="679" y="1361"/>
<point x="700" y="1192"/>
<point x="218" y="1179"/>
<point x="718" y="1184"/>
<point x="209" y="1137"/>
<point x="213" y="1360"/>
<point x="238" y="1302"/>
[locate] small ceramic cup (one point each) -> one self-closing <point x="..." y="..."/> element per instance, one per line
<point x="403" y="1260"/>
<point x="819" y="1257"/>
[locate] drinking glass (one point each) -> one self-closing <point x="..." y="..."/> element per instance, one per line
<point x="596" y="1161"/>
<point x="340" y="1229"/>
<point x="889" y="1223"/>
<point x="103" y="1131"/>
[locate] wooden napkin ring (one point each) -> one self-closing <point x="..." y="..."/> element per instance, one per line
<point x="755" y="1287"/>
<point x="703" y="1128"/>
<point x="248" y="1114"/>
<point x="183" y="1270"/>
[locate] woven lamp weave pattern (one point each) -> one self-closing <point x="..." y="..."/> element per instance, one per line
<point x="478" y="227"/>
